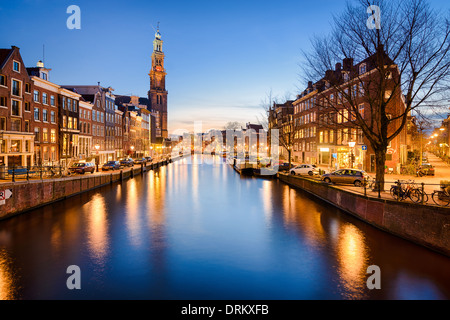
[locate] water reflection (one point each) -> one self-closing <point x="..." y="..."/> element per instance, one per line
<point x="95" y="213"/>
<point x="201" y="231"/>
<point x="352" y="259"/>
<point x="7" y="288"/>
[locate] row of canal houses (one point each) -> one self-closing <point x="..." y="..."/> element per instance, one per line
<point x="316" y="133"/>
<point x="43" y="123"/>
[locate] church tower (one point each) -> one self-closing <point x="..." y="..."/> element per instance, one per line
<point x="157" y="94"/>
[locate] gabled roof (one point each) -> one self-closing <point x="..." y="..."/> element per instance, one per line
<point x="4" y="56"/>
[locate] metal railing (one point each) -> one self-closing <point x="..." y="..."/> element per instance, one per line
<point x="401" y="190"/>
<point x="30" y="172"/>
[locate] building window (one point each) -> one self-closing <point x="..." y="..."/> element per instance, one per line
<point x="64" y="122"/>
<point x="53" y="135"/>
<point x="75" y="125"/>
<point x="36" y="96"/>
<point x="360" y="136"/>
<point x="2" y="80"/>
<point x="52" y="117"/>
<point x="15" y="146"/>
<point x="44" y="98"/>
<point x="27" y="88"/>
<point x="52" y="100"/>
<point x="70" y="123"/>
<point x="63" y="102"/>
<point x="16" y="66"/>
<point x="3" y="123"/>
<point x="16" y="88"/>
<point x="44" y="134"/>
<point x="74" y="106"/>
<point x="362" y="68"/>
<point x="36" y="134"/>
<point x="361" y="110"/>
<point x="45" y="115"/>
<point x="3" y="102"/>
<point x="27" y="106"/>
<point x="16" y="125"/>
<point x="27" y="126"/>
<point x="69" y="104"/>
<point x="15" y="108"/>
<point x="36" y="114"/>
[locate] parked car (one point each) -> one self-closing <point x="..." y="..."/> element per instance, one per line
<point x="149" y="159"/>
<point x="140" y="160"/>
<point x="309" y="169"/>
<point x="425" y="169"/>
<point x="346" y="176"/>
<point x="283" y="166"/>
<point x="111" y="165"/>
<point x="82" y="167"/>
<point x="128" y="162"/>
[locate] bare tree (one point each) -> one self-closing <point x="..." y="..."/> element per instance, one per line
<point x="279" y="116"/>
<point x="407" y="58"/>
<point x="233" y="125"/>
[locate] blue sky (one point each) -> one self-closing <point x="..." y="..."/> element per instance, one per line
<point x="222" y="57"/>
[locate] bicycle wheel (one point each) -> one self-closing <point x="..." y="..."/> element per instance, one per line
<point x="440" y="198"/>
<point x="416" y="195"/>
<point x="395" y="192"/>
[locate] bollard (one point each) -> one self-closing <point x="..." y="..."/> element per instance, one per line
<point x="13" y="176"/>
<point x="423" y="193"/>
<point x="142" y="168"/>
<point x="121" y="175"/>
<point x="28" y="173"/>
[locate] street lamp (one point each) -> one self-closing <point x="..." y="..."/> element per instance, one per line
<point x="97" y="147"/>
<point x="132" y="149"/>
<point x="351" y="144"/>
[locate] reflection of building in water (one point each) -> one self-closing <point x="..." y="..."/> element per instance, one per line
<point x="97" y="229"/>
<point x="352" y="258"/>
<point x="6" y="278"/>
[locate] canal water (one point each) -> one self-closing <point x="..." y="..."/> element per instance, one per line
<point x="195" y="230"/>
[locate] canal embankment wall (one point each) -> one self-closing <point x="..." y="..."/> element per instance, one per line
<point x="32" y="194"/>
<point x="425" y="225"/>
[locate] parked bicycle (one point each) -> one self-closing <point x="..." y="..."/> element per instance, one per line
<point x="442" y="197"/>
<point x="407" y="189"/>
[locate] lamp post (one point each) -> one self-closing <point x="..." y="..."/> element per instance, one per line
<point x="351" y="144"/>
<point x="132" y="150"/>
<point x="97" y="147"/>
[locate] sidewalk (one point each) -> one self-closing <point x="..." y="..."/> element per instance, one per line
<point x="431" y="183"/>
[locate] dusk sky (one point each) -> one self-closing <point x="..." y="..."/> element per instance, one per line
<point x="222" y="57"/>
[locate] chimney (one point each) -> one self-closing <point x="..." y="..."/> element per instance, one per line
<point x="309" y="84"/>
<point x="328" y="74"/>
<point x="338" y="66"/>
<point x="348" y="64"/>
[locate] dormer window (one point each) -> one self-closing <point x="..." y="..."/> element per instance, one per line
<point x="346" y="77"/>
<point x="44" y="76"/>
<point x="362" y="68"/>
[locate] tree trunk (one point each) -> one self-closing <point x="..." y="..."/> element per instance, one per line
<point x="380" y="162"/>
<point x="289" y="155"/>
